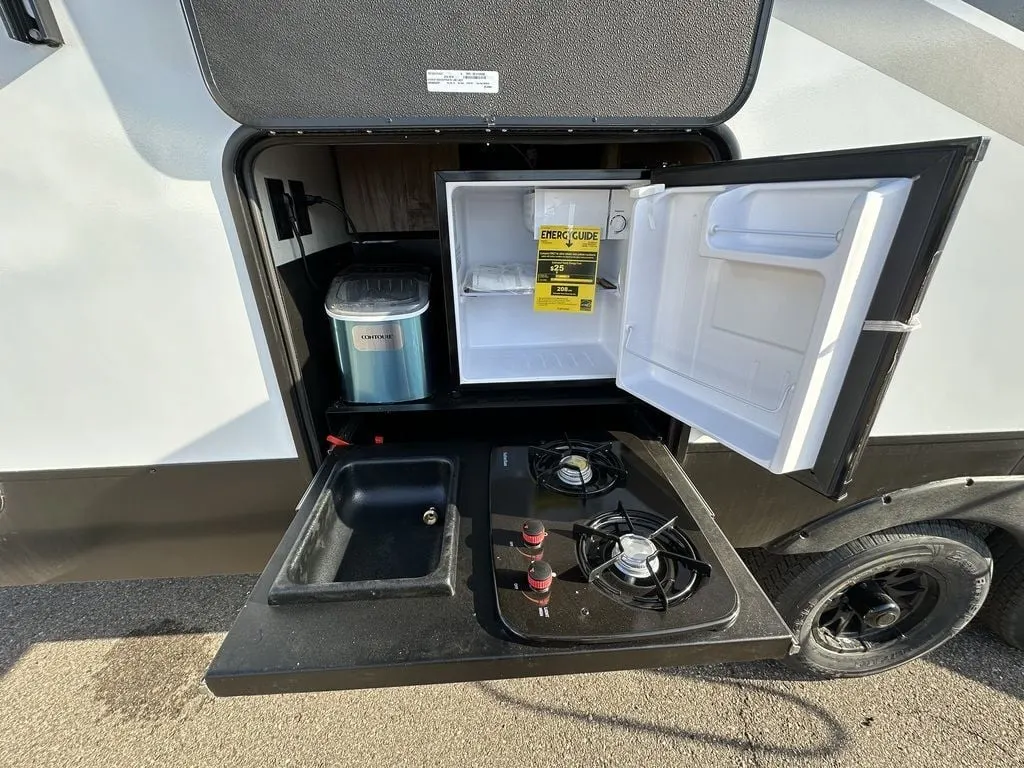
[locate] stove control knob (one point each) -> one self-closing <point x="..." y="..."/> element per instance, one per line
<point x="533" y="533"/>
<point x="539" y="576"/>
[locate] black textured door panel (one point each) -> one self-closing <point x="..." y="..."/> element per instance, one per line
<point x="317" y="63"/>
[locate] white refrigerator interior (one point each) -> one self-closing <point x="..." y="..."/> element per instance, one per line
<point x="500" y="337"/>
<point x="736" y="309"/>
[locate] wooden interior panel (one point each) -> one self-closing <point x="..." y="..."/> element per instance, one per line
<point x="390" y="188"/>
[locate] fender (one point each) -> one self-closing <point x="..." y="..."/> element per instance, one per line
<point x="996" y="501"/>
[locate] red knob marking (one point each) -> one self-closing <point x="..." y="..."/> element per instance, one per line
<point x="533" y="533"/>
<point x="539" y="576"/>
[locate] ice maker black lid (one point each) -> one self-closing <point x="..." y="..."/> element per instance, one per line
<point x="363" y="63"/>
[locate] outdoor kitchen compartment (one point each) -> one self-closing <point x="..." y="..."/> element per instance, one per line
<point x="764" y="302"/>
<point x="761" y="302"/>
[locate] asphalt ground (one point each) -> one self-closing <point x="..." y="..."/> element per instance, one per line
<point x="109" y="674"/>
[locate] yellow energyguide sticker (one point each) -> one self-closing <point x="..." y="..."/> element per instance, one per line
<point x="566" y="269"/>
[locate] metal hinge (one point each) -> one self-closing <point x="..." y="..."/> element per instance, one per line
<point x="892" y="326"/>
<point x="982" y="149"/>
<point x="31" y="21"/>
<point x="636" y="191"/>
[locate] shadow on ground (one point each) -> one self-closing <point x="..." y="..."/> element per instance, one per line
<point x="832" y="736"/>
<point x="976" y="654"/>
<point x="116" y="609"/>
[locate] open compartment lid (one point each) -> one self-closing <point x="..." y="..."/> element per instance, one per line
<point x="767" y="301"/>
<point x="307" y="63"/>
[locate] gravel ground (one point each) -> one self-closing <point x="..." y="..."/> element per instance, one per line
<point x="108" y="674"/>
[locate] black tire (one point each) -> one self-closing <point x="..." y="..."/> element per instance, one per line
<point x="949" y="569"/>
<point x="1004" y="609"/>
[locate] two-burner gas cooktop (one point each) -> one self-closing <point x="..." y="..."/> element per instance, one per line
<point x="590" y="545"/>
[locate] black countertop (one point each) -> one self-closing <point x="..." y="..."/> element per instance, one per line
<point x="434" y="639"/>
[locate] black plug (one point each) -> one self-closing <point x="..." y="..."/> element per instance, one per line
<point x="299" y="206"/>
<point x="281" y="209"/>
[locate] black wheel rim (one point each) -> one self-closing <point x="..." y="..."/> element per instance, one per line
<point x="848" y="622"/>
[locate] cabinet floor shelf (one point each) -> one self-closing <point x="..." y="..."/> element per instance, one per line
<point x="555" y="396"/>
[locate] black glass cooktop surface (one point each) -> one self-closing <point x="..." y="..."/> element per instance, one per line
<point x="590" y="544"/>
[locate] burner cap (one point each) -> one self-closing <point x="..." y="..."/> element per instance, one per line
<point x="615" y="548"/>
<point x="635" y="551"/>
<point x="577" y="467"/>
<point x="575" y="470"/>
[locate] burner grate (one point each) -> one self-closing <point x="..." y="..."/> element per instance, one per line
<point x="576" y="467"/>
<point x="639" y="558"/>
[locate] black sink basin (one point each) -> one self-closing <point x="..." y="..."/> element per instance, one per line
<point x="380" y="528"/>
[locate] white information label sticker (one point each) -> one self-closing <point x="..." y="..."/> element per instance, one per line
<point x="461" y="81"/>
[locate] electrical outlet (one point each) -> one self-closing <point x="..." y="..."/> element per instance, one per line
<point x="279" y="209"/>
<point x="298" y="192"/>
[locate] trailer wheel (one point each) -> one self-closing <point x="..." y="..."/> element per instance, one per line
<point x="881" y="600"/>
<point x="1004" y="609"/>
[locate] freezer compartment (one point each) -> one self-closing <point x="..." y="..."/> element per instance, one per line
<point x="380" y="528"/>
<point x="500" y="336"/>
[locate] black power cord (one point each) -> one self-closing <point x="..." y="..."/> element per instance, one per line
<point x="294" y="219"/>
<point x="311" y="200"/>
<point x="350" y="226"/>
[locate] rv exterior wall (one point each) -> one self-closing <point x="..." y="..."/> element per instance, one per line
<point x="128" y="320"/>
